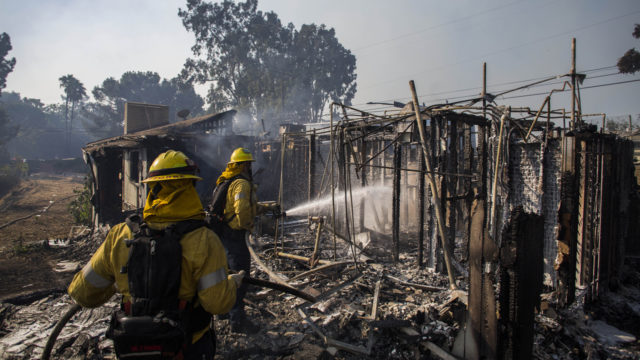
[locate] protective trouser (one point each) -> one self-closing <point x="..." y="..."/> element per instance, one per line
<point x="204" y="348"/>
<point x="239" y="258"/>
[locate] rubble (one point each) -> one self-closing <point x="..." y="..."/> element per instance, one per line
<point x="375" y="312"/>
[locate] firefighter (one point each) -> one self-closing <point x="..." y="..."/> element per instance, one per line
<point x="240" y="208"/>
<point x="203" y="278"/>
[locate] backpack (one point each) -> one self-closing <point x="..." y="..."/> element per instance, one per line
<point x="215" y="217"/>
<point x="155" y="323"/>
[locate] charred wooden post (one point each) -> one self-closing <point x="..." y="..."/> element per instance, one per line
<point x="573" y="84"/>
<point x="280" y="190"/>
<point x="397" y="165"/>
<point x="585" y="235"/>
<point x="565" y="263"/>
<point x="341" y="176"/>
<point x="312" y="166"/>
<point x="421" y="201"/>
<point x="521" y="271"/>
<point x="316" y="246"/>
<point x="451" y="165"/>
<point x="467" y="183"/>
<point x="432" y="185"/>
<point x="440" y="165"/>
<point x="333" y="187"/>
<point x="363" y="181"/>
<point x="483" y="255"/>
<point x="404" y="160"/>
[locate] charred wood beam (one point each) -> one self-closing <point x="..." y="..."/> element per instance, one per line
<point x="421" y="205"/>
<point x="432" y="185"/>
<point x="451" y="188"/>
<point x="302" y="258"/>
<point x="316" y="246"/>
<point x="521" y="273"/>
<point x="397" y="158"/>
<point x="312" y="167"/>
<point x="360" y="350"/>
<point x="320" y="268"/>
<point x="363" y="182"/>
<point x="414" y="285"/>
<point x="565" y="262"/>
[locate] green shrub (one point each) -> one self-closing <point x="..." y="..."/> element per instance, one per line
<point x="10" y="175"/>
<point x="80" y="207"/>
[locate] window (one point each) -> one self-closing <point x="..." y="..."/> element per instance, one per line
<point x="134" y="164"/>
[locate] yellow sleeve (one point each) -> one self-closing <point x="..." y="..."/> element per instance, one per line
<point x="216" y="290"/>
<point x="240" y="193"/>
<point x="93" y="285"/>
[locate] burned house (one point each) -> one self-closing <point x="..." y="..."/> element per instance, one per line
<point x="504" y="198"/>
<point x="118" y="164"/>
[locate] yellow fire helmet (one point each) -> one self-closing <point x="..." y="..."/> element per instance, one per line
<point x="240" y="155"/>
<point x="172" y="165"/>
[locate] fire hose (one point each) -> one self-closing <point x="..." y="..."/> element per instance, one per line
<point x="248" y="280"/>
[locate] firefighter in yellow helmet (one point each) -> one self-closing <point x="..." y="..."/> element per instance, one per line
<point x="202" y="284"/>
<point x="240" y="208"/>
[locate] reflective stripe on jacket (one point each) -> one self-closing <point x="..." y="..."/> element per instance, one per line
<point x="204" y="271"/>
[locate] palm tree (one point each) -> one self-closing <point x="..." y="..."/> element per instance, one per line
<point x="74" y="93"/>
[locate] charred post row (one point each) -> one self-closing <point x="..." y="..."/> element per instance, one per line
<point x="561" y="217"/>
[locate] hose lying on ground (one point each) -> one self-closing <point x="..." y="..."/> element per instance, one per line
<point x="249" y="280"/>
<point x="56" y="331"/>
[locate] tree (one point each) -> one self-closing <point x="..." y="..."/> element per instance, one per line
<point x="263" y="68"/>
<point x="622" y="123"/>
<point x="74" y="93"/>
<point x="35" y="125"/>
<point x="105" y="116"/>
<point x="325" y="69"/>
<point x="7" y="131"/>
<point x="629" y="63"/>
<point x="6" y="65"/>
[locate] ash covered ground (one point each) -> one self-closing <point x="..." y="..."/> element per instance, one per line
<point x="416" y="316"/>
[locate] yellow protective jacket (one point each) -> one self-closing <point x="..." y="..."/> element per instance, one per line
<point x="204" y="264"/>
<point x="242" y="205"/>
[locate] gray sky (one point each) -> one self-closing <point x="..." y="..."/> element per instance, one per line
<point x="441" y="45"/>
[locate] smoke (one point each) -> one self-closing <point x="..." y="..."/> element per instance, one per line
<point x="371" y="203"/>
<point x="245" y="123"/>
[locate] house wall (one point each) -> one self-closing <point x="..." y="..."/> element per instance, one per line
<point x="135" y="165"/>
<point x="534" y="173"/>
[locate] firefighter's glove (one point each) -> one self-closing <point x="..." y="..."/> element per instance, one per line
<point x="238" y="277"/>
<point x="281" y="214"/>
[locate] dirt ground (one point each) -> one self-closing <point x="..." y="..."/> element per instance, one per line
<point x="25" y="264"/>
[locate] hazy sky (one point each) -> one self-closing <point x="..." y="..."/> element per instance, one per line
<point x="441" y="45"/>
